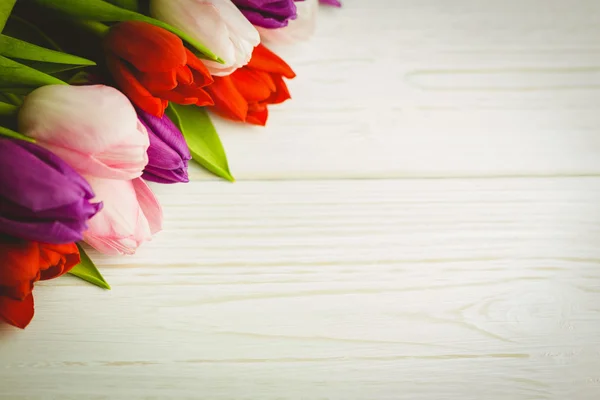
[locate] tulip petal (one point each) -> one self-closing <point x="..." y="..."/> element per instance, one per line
<point x="259" y="19"/>
<point x="57" y="259"/>
<point x="216" y="23"/>
<point x="204" y="23"/>
<point x="201" y="74"/>
<point x="258" y="115"/>
<point x="20" y="166"/>
<point x="20" y="290"/>
<point x="18" y="313"/>
<point x="168" y="153"/>
<point x="253" y="85"/>
<point x="186" y="95"/>
<point x="281" y="92"/>
<point x="123" y="160"/>
<point x="147" y="47"/>
<point x="259" y="83"/>
<point x="129" y="84"/>
<point x="130" y="156"/>
<point x="41" y="197"/>
<point x="48" y="231"/>
<point x="204" y="99"/>
<point x="19" y="261"/>
<point x="126" y="221"/>
<point x="184" y="75"/>
<point x="228" y="101"/>
<point x="265" y="60"/>
<point x="268" y="14"/>
<point x="162" y="155"/>
<point x="180" y="98"/>
<point x="167" y="132"/>
<point x="111" y="246"/>
<point x="114" y="230"/>
<point x="94" y="128"/>
<point x="166" y="176"/>
<point x="158" y="81"/>
<point x="149" y="205"/>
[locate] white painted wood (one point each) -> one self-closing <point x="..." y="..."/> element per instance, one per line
<point x="411" y="289"/>
<point x="334" y="289"/>
<point x="396" y="88"/>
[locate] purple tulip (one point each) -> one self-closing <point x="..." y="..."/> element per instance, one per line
<point x="41" y="197"/>
<point x="168" y="154"/>
<point x="335" y="3"/>
<point x="268" y="14"/>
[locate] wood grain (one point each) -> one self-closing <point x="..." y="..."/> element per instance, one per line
<point x="412" y="289"/>
<point x="463" y="264"/>
<point x="435" y="88"/>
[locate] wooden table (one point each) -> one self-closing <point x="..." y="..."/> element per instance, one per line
<point x="421" y="222"/>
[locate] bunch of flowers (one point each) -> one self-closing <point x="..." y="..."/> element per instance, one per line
<point x="98" y="97"/>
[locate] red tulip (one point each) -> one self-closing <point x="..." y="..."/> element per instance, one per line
<point x="23" y="263"/>
<point x="152" y="67"/>
<point x="245" y="94"/>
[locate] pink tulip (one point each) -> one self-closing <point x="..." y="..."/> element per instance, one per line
<point x="94" y="128"/>
<point x="299" y="29"/>
<point x="131" y="215"/>
<point x="217" y="24"/>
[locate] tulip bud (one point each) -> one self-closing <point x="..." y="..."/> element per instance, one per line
<point x="22" y="263"/>
<point x="246" y="94"/>
<point x="41" y="197"/>
<point x="218" y="24"/>
<point x="94" y="129"/>
<point x="153" y="67"/>
<point x="168" y="154"/>
<point x="334" y="3"/>
<point x="131" y="215"/>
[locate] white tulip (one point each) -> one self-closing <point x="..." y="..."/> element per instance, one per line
<point x="218" y="24"/>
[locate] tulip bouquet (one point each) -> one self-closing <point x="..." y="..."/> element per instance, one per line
<point x="98" y="97"/>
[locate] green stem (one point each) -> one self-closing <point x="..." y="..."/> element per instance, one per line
<point x="15" y="135"/>
<point x="37" y="30"/>
<point x="16" y="100"/>
<point x="8" y="110"/>
<point x="97" y="28"/>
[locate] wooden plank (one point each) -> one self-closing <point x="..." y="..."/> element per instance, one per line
<point x="411" y="289"/>
<point x="435" y="88"/>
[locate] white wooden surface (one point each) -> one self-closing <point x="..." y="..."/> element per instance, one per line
<point x="467" y="268"/>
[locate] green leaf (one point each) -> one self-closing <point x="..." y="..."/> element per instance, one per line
<point x="16" y="77"/>
<point x="6" y="7"/>
<point x="50" y="68"/>
<point x="87" y="271"/>
<point x="15" y="135"/>
<point x="201" y="137"/>
<point x="99" y="10"/>
<point x="132" y="5"/>
<point x="15" y="48"/>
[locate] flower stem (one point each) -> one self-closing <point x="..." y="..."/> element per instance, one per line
<point x="14" y="99"/>
<point x="7" y="109"/>
<point x="95" y="27"/>
<point x="37" y="30"/>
